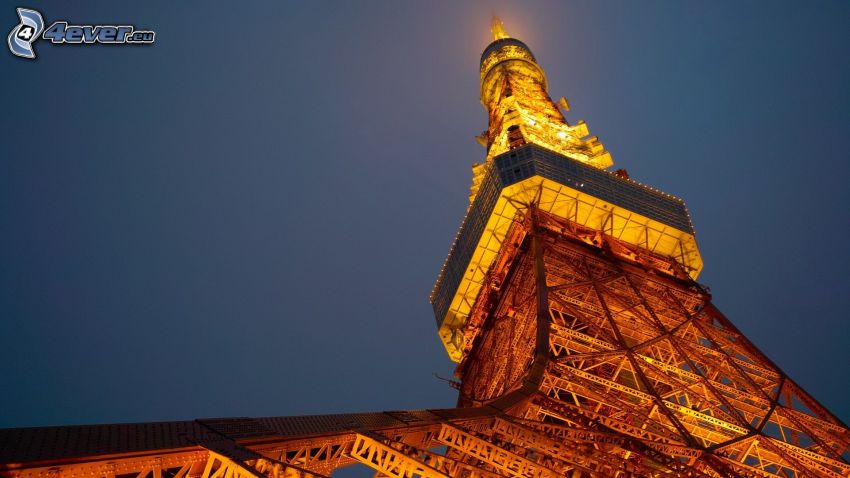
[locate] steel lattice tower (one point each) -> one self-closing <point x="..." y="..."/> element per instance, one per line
<point x="584" y="345"/>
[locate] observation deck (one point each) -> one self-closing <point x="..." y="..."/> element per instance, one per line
<point x="618" y="208"/>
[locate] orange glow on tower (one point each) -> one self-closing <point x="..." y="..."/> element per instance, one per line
<point x="585" y="346"/>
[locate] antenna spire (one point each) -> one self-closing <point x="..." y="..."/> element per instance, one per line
<point x="498" y="29"/>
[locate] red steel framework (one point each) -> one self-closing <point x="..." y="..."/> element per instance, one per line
<point x="587" y="364"/>
<point x="586" y="352"/>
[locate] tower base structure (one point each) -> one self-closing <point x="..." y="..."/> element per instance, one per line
<point x="585" y="362"/>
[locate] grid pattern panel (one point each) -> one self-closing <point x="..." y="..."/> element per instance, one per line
<point x="529" y="160"/>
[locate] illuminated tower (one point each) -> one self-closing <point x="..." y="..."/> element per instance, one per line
<point x="584" y="345"/>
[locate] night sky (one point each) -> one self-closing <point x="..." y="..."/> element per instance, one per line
<point x="246" y="218"/>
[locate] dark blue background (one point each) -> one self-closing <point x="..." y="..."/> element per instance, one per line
<point x="246" y="218"/>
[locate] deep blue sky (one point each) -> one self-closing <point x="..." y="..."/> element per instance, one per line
<point x="247" y="217"/>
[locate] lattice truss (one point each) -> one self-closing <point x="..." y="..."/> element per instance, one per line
<point x="642" y="355"/>
<point x="582" y="365"/>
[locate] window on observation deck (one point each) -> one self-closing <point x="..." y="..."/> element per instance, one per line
<point x="515" y="138"/>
